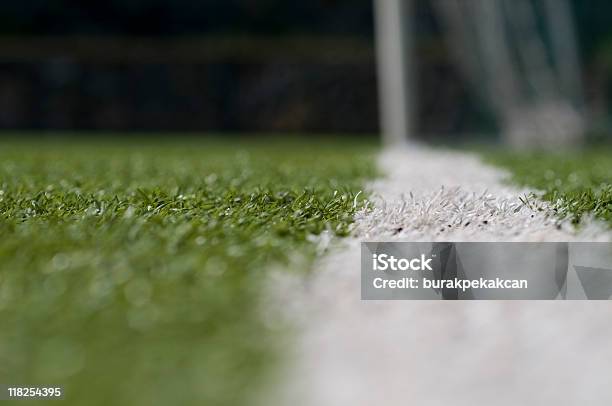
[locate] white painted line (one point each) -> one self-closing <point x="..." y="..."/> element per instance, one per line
<point x="388" y="353"/>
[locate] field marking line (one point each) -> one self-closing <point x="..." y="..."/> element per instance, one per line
<point x="352" y="352"/>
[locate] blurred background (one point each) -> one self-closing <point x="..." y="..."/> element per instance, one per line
<point x="242" y="66"/>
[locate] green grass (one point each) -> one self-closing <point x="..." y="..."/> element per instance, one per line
<point x="576" y="184"/>
<point x="132" y="273"/>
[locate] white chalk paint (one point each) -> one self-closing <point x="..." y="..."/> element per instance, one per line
<point x="351" y="352"/>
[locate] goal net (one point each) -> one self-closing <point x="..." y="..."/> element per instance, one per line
<point x="519" y="56"/>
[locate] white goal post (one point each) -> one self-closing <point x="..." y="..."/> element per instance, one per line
<point x="393" y="50"/>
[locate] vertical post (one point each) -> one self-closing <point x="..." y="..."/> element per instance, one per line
<point x="393" y="51"/>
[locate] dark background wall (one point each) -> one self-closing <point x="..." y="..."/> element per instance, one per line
<point x="233" y="65"/>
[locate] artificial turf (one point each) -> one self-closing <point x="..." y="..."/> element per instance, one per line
<point x="577" y="184"/>
<point x="131" y="272"/>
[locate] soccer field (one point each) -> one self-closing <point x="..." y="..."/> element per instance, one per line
<point x="577" y="184"/>
<point x="131" y="271"/>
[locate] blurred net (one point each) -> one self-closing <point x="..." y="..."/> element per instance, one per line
<point x="521" y="57"/>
